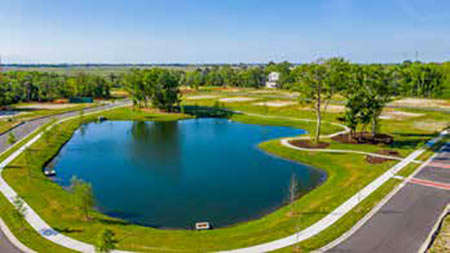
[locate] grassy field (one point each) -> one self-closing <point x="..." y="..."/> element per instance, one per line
<point x="441" y="243"/>
<point x="346" y="174"/>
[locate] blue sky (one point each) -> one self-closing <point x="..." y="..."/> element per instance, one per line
<point x="230" y="31"/>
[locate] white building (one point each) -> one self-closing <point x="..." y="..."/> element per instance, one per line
<point x="272" y="80"/>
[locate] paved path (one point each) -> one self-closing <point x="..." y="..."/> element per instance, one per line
<point x="35" y="221"/>
<point x="340" y="211"/>
<point x="405" y="221"/>
<point x="47" y="232"/>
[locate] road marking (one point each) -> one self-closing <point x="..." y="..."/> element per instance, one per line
<point x="430" y="183"/>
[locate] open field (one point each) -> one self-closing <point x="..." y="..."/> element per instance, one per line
<point x="346" y="174"/>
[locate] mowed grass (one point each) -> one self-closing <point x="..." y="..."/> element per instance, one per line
<point x="346" y="174"/>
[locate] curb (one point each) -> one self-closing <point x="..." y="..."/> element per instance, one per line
<point x="434" y="231"/>
<point x="372" y="212"/>
<point x="12" y="128"/>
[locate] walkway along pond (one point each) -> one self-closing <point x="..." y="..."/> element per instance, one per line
<point x="173" y="174"/>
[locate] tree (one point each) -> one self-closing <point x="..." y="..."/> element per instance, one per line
<point x="318" y="82"/>
<point x="106" y="242"/>
<point x="84" y="197"/>
<point x="167" y="92"/>
<point x="11" y="138"/>
<point x="376" y="81"/>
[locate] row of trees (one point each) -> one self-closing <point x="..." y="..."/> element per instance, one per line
<point x="157" y="86"/>
<point x="225" y="76"/>
<point x="18" y="86"/>
<point x="408" y="79"/>
<point x="367" y="89"/>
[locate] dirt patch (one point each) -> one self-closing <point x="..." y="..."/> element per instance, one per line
<point x="435" y="126"/>
<point x="199" y="97"/>
<point x="236" y="99"/>
<point x="309" y="144"/>
<point x="263" y="91"/>
<point x="376" y="159"/>
<point x="329" y="108"/>
<point x="398" y="115"/>
<point x="422" y="102"/>
<point x="46" y="106"/>
<point x="276" y="103"/>
<point x="364" y="138"/>
<point x="335" y="108"/>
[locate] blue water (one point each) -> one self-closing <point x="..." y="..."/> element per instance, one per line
<point x="173" y="174"/>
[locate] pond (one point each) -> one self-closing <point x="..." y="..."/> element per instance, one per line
<point x="174" y="174"/>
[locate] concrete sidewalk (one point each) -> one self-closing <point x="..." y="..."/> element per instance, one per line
<point x="32" y="217"/>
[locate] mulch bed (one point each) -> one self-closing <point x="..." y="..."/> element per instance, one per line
<point x="376" y="160"/>
<point x="309" y="144"/>
<point x="364" y="138"/>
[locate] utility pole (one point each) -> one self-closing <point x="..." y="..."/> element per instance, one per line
<point x="417" y="56"/>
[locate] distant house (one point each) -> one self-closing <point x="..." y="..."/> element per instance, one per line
<point x="272" y="80"/>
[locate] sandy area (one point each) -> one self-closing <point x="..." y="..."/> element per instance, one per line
<point x="422" y="102"/>
<point x="200" y="97"/>
<point x="391" y="114"/>
<point x="264" y="91"/>
<point x="46" y="106"/>
<point x="431" y="125"/>
<point x="335" y="108"/>
<point x="276" y="103"/>
<point x="236" y="99"/>
<point x="329" y="108"/>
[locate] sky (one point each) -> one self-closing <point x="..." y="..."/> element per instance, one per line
<point x="224" y="31"/>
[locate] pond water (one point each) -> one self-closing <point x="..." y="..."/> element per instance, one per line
<point x="173" y="174"/>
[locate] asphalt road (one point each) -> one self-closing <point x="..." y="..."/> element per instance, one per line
<point x="406" y="220"/>
<point x="6" y="246"/>
<point x="29" y="126"/>
<point x="23" y="130"/>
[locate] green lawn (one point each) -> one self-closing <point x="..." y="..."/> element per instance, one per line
<point x="346" y="174"/>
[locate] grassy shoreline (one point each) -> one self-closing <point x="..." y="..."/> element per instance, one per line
<point x="348" y="174"/>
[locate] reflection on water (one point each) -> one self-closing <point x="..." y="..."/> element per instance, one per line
<point x="156" y="147"/>
<point x="173" y="174"/>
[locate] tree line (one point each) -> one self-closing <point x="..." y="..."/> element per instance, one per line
<point x="22" y="86"/>
<point x="146" y="87"/>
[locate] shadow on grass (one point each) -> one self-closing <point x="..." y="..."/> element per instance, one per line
<point x="67" y="230"/>
<point x="113" y="222"/>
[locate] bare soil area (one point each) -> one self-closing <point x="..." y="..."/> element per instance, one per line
<point x="364" y="138"/>
<point x="376" y="159"/>
<point x="431" y="125"/>
<point x="309" y="144"/>
<point x="422" y="102"/>
<point x="276" y="103"/>
<point x="398" y="115"/>
<point x="199" y="97"/>
<point x="236" y="99"/>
